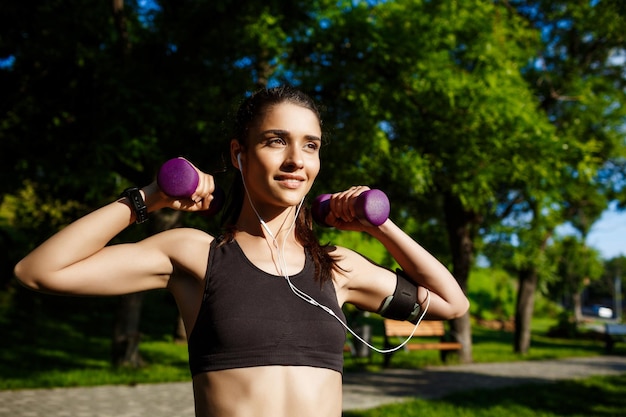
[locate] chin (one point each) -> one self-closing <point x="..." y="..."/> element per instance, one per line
<point x="292" y="202"/>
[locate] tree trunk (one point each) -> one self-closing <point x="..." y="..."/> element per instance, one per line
<point x="524" y="310"/>
<point x="577" y="305"/>
<point x="461" y="331"/>
<point x="161" y="221"/>
<point x="459" y="227"/>
<point x="126" y="336"/>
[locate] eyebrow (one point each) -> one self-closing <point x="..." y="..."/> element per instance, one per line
<point x="281" y="133"/>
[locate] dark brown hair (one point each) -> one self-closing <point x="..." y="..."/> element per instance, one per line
<point x="250" y="111"/>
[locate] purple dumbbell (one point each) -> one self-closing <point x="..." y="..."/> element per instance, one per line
<point x="371" y="206"/>
<point x="178" y="179"/>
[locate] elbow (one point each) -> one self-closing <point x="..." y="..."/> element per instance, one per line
<point x="461" y="308"/>
<point x="454" y="306"/>
<point x="454" y="309"/>
<point x="26" y="277"/>
<point x="449" y="309"/>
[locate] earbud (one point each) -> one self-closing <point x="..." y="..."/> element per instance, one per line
<point x="239" y="161"/>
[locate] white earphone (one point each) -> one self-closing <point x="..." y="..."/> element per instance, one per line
<point x="301" y="294"/>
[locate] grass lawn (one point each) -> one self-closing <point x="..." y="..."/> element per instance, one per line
<point x="596" y="396"/>
<point x="488" y="346"/>
<point x="63" y="341"/>
<point x="50" y="341"/>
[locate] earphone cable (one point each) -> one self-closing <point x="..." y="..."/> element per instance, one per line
<point x="282" y="266"/>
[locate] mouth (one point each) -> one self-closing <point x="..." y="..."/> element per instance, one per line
<point x="290" y="181"/>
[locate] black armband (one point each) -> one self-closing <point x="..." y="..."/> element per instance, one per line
<point x="402" y="305"/>
<point x="135" y="199"/>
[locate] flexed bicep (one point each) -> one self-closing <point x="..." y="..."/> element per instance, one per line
<point x="113" y="270"/>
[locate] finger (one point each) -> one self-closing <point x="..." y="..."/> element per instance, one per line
<point x="343" y="211"/>
<point x="205" y="188"/>
<point x="346" y="203"/>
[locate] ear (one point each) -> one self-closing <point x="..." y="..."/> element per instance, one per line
<point x="235" y="151"/>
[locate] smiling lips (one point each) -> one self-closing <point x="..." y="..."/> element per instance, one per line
<point x="290" y="181"/>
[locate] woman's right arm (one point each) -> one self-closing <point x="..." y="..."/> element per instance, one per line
<point x="77" y="260"/>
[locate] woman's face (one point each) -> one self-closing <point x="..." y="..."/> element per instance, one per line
<point x="282" y="156"/>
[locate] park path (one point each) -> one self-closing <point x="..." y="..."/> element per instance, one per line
<point x="361" y="390"/>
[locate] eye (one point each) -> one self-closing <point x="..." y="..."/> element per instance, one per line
<point x="276" y="142"/>
<point x="312" y="146"/>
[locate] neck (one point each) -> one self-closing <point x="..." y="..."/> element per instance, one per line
<point x="278" y="223"/>
<point x="276" y="235"/>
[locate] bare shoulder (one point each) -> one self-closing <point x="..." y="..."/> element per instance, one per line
<point x="187" y="233"/>
<point x="187" y="248"/>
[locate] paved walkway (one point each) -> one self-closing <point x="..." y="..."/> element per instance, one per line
<point x="361" y="390"/>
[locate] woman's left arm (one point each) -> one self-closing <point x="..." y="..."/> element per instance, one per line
<point x="425" y="270"/>
<point x="367" y="284"/>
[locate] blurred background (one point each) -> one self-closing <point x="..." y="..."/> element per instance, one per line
<point x="496" y="128"/>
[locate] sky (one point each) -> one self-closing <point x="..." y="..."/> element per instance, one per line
<point x="608" y="234"/>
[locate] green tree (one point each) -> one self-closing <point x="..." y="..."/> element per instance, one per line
<point x="580" y="86"/>
<point x="614" y="283"/>
<point x="431" y="94"/>
<point x="577" y="266"/>
<point x="98" y="96"/>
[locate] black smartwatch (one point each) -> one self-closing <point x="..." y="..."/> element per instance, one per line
<point x="133" y="195"/>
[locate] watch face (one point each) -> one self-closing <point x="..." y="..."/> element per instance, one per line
<point x="138" y="205"/>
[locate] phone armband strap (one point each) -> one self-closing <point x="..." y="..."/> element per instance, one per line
<point x="402" y="305"/>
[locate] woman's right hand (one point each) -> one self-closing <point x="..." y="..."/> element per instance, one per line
<point x="200" y="200"/>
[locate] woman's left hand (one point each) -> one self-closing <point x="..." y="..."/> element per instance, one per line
<point x="343" y="214"/>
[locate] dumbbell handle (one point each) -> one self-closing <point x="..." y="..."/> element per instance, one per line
<point x="177" y="178"/>
<point x="371" y="205"/>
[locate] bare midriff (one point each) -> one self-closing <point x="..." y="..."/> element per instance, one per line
<point x="268" y="391"/>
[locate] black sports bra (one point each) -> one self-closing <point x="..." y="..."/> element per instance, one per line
<point x="251" y="318"/>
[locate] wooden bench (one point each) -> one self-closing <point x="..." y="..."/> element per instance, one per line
<point x="403" y="329"/>
<point x="613" y="333"/>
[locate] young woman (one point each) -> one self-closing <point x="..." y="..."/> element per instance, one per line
<point x="261" y="303"/>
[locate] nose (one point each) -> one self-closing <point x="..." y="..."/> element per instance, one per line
<point x="294" y="159"/>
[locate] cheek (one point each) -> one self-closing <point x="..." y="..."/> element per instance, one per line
<point x="261" y="166"/>
<point x="314" y="168"/>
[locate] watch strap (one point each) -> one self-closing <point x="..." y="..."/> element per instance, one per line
<point x="134" y="197"/>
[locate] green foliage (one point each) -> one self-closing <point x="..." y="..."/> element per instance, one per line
<point x="577" y="266"/>
<point x="26" y="218"/>
<point x="365" y="245"/>
<point x="506" y="117"/>
<point x="94" y="102"/>
<point x="491" y="344"/>
<point x="65" y="341"/>
<point x="32" y="209"/>
<point x="580" y="85"/>
<point x="566" y="325"/>
<point x="492" y="294"/>
<point x="459" y="106"/>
